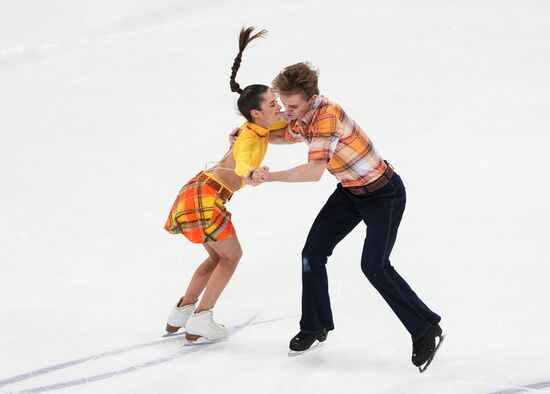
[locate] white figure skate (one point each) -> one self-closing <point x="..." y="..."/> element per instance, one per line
<point x="202" y="325"/>
<point x="178" y="317"/>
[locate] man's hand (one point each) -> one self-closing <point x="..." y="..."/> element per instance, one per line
<point x="257" y="176"/>
<point x="233" y="135"/>
<point x="260" y="174"/>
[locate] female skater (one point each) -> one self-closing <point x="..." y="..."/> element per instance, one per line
<point x="199" y="211"/>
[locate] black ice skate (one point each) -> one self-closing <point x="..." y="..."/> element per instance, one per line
<point x="425" y="348"/>
<point x="304" y="341"/>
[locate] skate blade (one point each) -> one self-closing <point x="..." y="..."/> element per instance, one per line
<point x="294" y="353"/>
<point x="192" y="340"/>
<point x="423" y="368"/>
<point x="173" y="334"/>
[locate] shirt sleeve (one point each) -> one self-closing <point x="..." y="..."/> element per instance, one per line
<point x="325" y="138"/>
<point x="244" y="156"/>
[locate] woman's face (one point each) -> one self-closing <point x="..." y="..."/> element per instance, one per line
<point x="269" y="110"/>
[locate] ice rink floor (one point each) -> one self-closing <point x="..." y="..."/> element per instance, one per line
<point x="108" y="108"/>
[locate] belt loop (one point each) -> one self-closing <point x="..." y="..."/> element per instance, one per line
<point x="210" y="177"/>
<point x="220" y="186"/>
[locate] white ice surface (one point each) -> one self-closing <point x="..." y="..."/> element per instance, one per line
<point x="108" y="107"/>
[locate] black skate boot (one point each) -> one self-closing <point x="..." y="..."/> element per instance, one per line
<point x="303" y="341"/>
<point x="425" y="348"/>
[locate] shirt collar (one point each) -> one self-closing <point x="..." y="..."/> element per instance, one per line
<point x="261" y="131"/>
<point x="306" y="119"/>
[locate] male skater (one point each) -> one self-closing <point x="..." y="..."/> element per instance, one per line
<point x="369" y="191"/>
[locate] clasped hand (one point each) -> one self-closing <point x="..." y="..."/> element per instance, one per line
<point x="258" y="175"/>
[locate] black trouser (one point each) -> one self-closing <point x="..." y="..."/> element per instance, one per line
<point x="381" y="211"/>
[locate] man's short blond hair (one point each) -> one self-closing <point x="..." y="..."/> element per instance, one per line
<point x="300" y="78"/>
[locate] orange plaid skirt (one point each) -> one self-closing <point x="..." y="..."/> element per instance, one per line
<point x="199" y="213"/>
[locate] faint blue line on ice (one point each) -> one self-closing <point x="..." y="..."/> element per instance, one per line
<point x="524" y="389"/>
<point x="42" y="371"/>
<point x="119" y="372"/>
<point x="82" y="360"/>
<point x="107" y="375"/>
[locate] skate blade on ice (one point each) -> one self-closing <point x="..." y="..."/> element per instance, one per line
<point x="191" y="342"/>
<point x="423" y="368"/>
<point x="173" y="334"/>
<point x="294" y="353"/>
<point x="195" y="340"/>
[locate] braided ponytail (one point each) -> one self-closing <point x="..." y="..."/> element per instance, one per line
<point x="244" y="40"/>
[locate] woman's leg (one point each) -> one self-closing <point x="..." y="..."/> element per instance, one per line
<point x="179" y="316"/>
<point x="200" y="277"/>
<point x="229" y="252"/>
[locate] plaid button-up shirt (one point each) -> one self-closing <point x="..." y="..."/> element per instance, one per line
<point x="333" y="136"/>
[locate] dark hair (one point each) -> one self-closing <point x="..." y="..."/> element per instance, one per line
<point x="300" y="78"/>
<point x="250" y="97"/>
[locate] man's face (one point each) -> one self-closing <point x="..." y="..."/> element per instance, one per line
<point x="269" y="110"/>
<point x="296" y="105"/>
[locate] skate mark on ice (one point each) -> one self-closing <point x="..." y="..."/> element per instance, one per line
<point x="524" y="389"/>
<point x="172" y="338"/>
<point x="67" y="364"/>
<point x="119" y="372"/>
